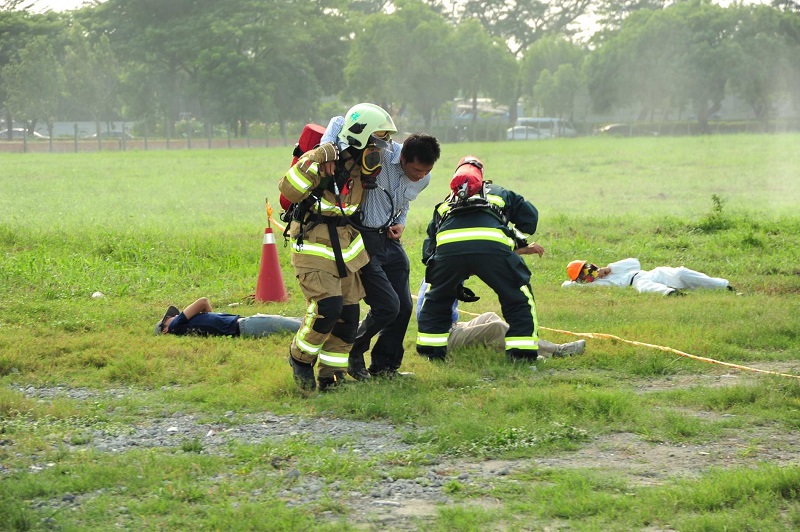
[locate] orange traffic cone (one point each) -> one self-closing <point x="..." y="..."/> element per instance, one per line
<point x="270" y="285"/>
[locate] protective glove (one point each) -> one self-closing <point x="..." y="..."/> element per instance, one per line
<point x="465" y="294"/>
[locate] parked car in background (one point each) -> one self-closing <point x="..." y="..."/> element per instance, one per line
<point x="18" y="133"/>
<point x="557" y="127"/>
<point x="625" y="130"/>
<point x="527" y="133"/>
<point x="112" y="135"/>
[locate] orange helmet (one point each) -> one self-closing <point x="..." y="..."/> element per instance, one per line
<point x="574" y="269"/>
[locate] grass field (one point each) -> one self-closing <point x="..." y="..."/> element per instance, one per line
<point x="623" y="437"/>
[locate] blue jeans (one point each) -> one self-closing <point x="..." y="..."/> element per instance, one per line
<point x="265" y="324"/>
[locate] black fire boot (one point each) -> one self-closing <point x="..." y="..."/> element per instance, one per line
<point x="522" y="355"/>
<point x="327" y="383"/>
<point x="357" y="368"/>
<point x="303" y="374"/>
<point x="432" y="353"/>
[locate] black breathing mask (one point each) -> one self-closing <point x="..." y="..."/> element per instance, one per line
<point x="370" y="166"/>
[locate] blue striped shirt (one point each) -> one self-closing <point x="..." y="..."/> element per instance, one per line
<point x="376" y="206"/>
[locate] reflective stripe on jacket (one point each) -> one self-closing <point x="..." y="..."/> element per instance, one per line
<point x="456" y="233"/>
<point x="317" y="251"/>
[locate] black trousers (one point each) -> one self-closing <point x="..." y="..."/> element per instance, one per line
<point x="388" y="295"/>
<point x="504" y="273"/>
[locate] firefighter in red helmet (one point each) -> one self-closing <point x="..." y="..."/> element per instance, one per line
<point x="479" y="230"/>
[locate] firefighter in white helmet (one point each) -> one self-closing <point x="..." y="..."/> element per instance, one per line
<point x="327" y="250"/>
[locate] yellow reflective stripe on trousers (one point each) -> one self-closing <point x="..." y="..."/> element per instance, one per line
<point x="521" y="342"/>
<point x="473" y="233"/>
<point x="298" y="180"/>
<point x="337" y="360"/>
<point x="526" y="342"/>
<point x="318" y="250"/>
<point x="432" y="339"/>
<point x="299" y="339"/>
<point x="532" y="304"/>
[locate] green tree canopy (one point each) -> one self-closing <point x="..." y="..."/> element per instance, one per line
<point x="766" y="63"/>
<point x="403" y="60"/>
<point x="35" y="83"/>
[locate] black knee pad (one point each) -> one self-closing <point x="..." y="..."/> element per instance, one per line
<point x="330" y="309"/>
<point x="347" y="325"/>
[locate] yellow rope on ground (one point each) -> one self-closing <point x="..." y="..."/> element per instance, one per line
<point x="661" y="348"/>
<point x="643" y="344"/>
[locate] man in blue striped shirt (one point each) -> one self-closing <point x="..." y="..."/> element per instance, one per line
<point x="405" y="172"/>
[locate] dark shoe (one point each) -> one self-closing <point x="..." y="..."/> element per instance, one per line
<point x="359" y="374"/>
<point x="571" y="348"/>
<point x="389" y="373"/>
<point x="433" y="353"/>
<point x="327" y="383"/>
<point x="356" y="367"/>
<point x="303" y="374"/>
<point x="676" y="293"/>
<point x="522" y="355"/>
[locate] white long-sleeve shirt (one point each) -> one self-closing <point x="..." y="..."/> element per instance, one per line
<point x="621" y="273"/>
<point x="661" y="280"/>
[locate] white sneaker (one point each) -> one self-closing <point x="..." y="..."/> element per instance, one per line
<point x="569" y="349"/>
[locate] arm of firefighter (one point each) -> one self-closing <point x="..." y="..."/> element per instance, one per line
<point x="305" y="175"/>
<point x="522" y="213"/>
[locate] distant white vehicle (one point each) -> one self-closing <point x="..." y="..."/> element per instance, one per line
<point x="527" y="133"/>
<point x="558" y="127"/>
<point x="19" y="133"/>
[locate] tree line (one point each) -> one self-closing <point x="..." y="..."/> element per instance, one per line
<point x="239" y="62"/>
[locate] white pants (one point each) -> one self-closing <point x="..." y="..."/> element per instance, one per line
<point x="665" y="279"/>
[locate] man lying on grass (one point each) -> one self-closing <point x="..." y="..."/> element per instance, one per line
<point x="199" y="319"/>
<point x="628" y="272"/>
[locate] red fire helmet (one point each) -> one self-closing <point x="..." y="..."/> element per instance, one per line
<point x="469" y="170"/>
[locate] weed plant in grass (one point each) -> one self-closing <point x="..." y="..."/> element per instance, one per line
<point x="148" y="229"/>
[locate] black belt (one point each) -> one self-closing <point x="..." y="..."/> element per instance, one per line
<point x="335" y="221"/>
<point x="634" y="277"/>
